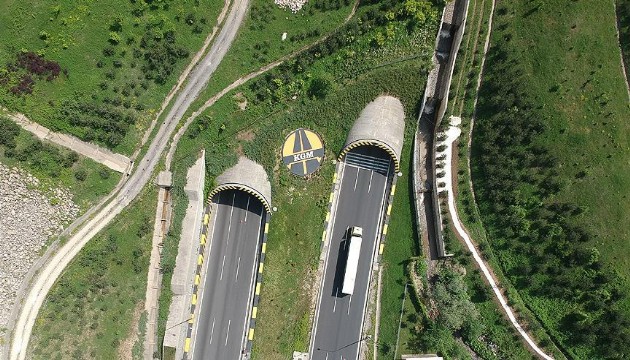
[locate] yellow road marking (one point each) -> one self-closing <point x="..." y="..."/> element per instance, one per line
<point x="330" y="198"/>
<point x="254" y="312"/>
<point x="251" y="334"/>
<point x="197" y="279"/>
<point x="260" y="267"/>
<point x="264" y="248"/>
<point x="324" y="236"/>
<point x="187" y="345"/>
<point x="194" y="299"/>
<point x="200" y="259"/>
<point x="328" y="216"/>
<point x="203" y="239"/>
<point x="258" y="289"/>
<point x="205" y="219"/>
<point x="389" y="209"/>
<point x="393" y="189"/>
<point x="385" y="229"/>
<point x="334" y="178"/>
<point x="380" y="250"/>
<point x="266" y="228"/>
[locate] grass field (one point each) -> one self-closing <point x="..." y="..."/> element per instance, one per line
<point x="575" y="89"/>
<point x="46" y="162"/>
<point x="226" y="131"/>
<point x="91" y="309"/>
<point x="295" y="230"/>
<point x="99" y="49"/>
<point x="401" y="245"/>
<point x="259" y="40"/>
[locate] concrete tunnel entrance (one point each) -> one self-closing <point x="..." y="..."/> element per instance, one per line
<point x="377" y="135"/>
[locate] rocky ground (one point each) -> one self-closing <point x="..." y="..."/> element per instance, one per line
<point x="30" y="213"/>
<point x="294" y="5"/>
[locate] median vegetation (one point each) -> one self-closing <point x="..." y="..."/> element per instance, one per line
<point x="548" y="146"/>
<point x="323" y="89"/>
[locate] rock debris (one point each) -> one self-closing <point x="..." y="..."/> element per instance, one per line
<point x="30" y="214"/>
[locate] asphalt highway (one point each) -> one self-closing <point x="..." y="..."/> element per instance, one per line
<point x="228" y="283"/>
<point x="339" y="318"/>
<point x="143" y="172"/>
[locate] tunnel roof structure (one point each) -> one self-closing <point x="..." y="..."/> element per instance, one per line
<point x="247" y="176"/>
<point x="381" y="124"/>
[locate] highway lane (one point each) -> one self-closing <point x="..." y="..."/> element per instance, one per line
<point x="229" y="279"/>
<point x="50" y="272"/>
<point x="339" y="319"/>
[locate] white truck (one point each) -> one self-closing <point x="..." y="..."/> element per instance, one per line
<point x="354" y="250"/>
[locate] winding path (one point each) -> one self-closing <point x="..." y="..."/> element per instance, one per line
<point x="131" y="188"/>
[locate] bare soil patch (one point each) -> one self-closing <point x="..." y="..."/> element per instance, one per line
<point x="126" y="346"/>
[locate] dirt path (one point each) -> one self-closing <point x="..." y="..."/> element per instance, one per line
<point x="462" y="232"/>
<point x="243" y="79"/>
<point x="623" y="63"/>
<point x="185" y="74"/>
<point x="28" y="309"/>
<point x="125" y="349"/>
<point x="114" y="161"/>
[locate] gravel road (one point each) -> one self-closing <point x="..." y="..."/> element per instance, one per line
<point x="140" y="177"/>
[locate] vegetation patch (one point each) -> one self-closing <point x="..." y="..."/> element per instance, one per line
<point x="87" y="180"/>
<point x="549" y="140"/>
<point x="117" y="68"/>
<point x="88" y="313"/>
<point x="279" y="102"/>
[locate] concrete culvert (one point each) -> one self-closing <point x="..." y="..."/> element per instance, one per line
<point x="247" y="176"/>
<point x="381" y="124"/>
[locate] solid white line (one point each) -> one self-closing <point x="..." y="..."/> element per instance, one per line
<point x="252" y="280"/>
<point x="322" y="283"/>
<point x="376" y="242"/>
<point x="238" y="265"/>
<point x="356" y="179"/>
<point x="247" y="208"/>
<point x="227" y="241"/>
<point x="349" y="304"/>
<point x="222" y="265"/>
<point x="212" y="331"/>
<point x="228" y="332"/>
<point x="370" y="185"/>
<point x="336" y="296"/>
<point x="204" y="272"/>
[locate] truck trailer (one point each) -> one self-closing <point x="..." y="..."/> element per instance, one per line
<point x="352" y="263"/>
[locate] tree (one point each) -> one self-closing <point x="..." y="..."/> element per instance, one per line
<point x="80" y="174"/>
<point x="319" y="88"/>
<point x="8" y="132"/>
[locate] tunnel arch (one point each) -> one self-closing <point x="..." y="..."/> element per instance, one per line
<point x="382" y="124"/>
<point x="247" y="176"/>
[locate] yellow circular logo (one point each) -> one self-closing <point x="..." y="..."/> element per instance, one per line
<point x="303" y="152"/>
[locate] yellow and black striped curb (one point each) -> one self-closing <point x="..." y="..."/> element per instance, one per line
<point x="195" y="291"/>
<point x="376" y="143"/>
<point x="259" y="278"/>
<point x="329" y="206"/>
<point x="388" y="204"/>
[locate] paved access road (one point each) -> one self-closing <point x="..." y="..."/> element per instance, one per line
<point x="339" y="318"/>
<point x="132" y="187"/>
<point x="229" y="280"/>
